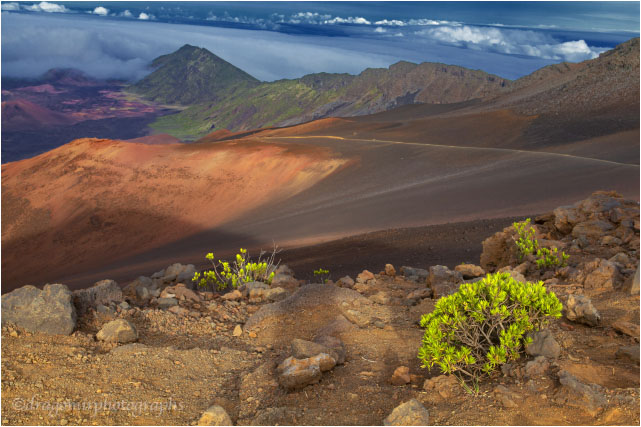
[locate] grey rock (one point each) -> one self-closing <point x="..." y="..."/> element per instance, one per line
<point x="444" y="281"/>
<point x="411" y="413"/>
<point x="593" y="229"/>
<point x="357" y="317"/>
<point x="102" y="292"/>
<point x="165" y="303"/>
<point x="284" y="269"/>
<point x="48" y="311"/>
<point x="536" y="367"/>
<point x="336" y="327"/>
<point x="602" y="275"/>
<point x="253" y="289"/>
<point x="124" y="305"/>
<point x="573" y="392"/>
<point x="108" y="311"/>
<point x="275" y="294"/>
<point x="215" y="416"/>
<point x="420" y="294"/>
<point x="142" y="293"/>
<point x="119" y="331"/>
<point x="630" y="353"/>
<point x="334" y="346"/>
<point x="422" y="274"/>
<point x="565" y="217"/>
<point x="345" y="282"/>
<point x="543" y="344"/>
<point x="579" y="309"/>
<point x="158" y="274"/>
<point x="302" y="349"/>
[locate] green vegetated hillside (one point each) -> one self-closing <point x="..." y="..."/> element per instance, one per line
<point x="222" y="96"/>
<point x="192" y="75"/>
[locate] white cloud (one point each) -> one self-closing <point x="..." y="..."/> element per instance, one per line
<point x="145" y="17"/>
<point x="102" y="11"/>
<point x="47" y="7"/>
<point x="393" y="22"/>
<point x="357" y="20"/>
<point x="426" y="22"/>
<point x="127" y="14"/>
<point x="513" y="42"/>
<point x="380" y="30"/>
<point x="10" y="6"/>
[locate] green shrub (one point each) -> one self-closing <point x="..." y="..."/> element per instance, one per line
<point x="484" y="324"/>
<point x="528" y="245"/>
<point x="241" y="271"/>
<point x="322" y="275"/>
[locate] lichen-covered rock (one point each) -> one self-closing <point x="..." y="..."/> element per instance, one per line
<point x="119" y="331"/>
<point x="411" y="413"/>
<point x="444" y="281"/>
<point x="49" y="311"/>
<point x="579" y="309"/>
<point x="101" y="293"/>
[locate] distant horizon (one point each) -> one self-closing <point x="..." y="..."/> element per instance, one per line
<point x="282" y="40"/>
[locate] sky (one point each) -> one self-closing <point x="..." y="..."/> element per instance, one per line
<point x="275" y="40"/>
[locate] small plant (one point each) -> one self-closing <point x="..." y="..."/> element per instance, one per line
<point x="322" y="275"/>
<point x="484" y="324"/>
<point x="547" y="258"/>
<point x="526" y="242"/>
<point x="241" y="271"/>
<point x="527" y="245"/>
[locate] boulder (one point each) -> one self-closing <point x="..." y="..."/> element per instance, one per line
<point x="589" y="397"/>
<point x="335" y="327"/>
<point x="365" y="276"/>
<point x="165" y="303"/>
<point x="275" y="294"/>
<point x="600" y="275"/>
<point x="470" y="271"/>
<point x="592" y="229"/>
<point x="284" y="269"/>
<point x="297" y="373"/>
<point x="420" y="294"/>
<point x="444" y="281"/>
<point x="118" y="331"/>
<point x="420" y="274"/>
<point x="254" y="289"/>
<point x="627" y="328"/>
<point x="302" y="349"/>
<point x="345" y="282"/>
<point x="101" y="293"/>
<point x="232" y="296"/>
<point x="180" y="292"/>
<point x="285" y="281"/>
<point x="49" y="311"/>
<point x="334" y="347"/>
<point x="566" y="217"/>
<point x="215" y="416"/>
<point x="390" y="270"/>
<point x="579" y="309"/>
<point x="516" y="275"/>
<point x="499" y="250"/>
<point x="381" y="297"/>
<point x="180" y="273"/>
<point x="536" y="367"/>
<point x="410" y="413"/>
<point x="543" y="344"/>
<point x="401" y="376"/>
<point x="445" y="385"/>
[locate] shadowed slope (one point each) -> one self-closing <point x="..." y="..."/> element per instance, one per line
<point x="93" y="201"/>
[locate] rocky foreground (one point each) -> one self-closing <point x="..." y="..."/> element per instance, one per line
<point x="158" y="351"/>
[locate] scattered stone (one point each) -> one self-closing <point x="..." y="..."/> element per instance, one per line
<point x="180" y="292"/>
<point x="119" y="331"/>
<point x="506" y="396"/>
<point x="420" y="274"/>
<point x="365" y="276"/>
<point x="345" y="282"/>
<point x="536" y="367"/>
<point x="285" y="281"/>
<point x="48" y="311"/>
<point x="105" y="311"/>
<point x="575" y="393"/>
<point x="579" y="309"/>
<point x="627" y="328"/>
<point x="358" y="317"/>
<point x="444" y="281"/>
<point x="302" y="349"/>
<point x="592" y="229"/>
<point x="334" y="347"/>
<point x="630" y="353"/>
<point x="380" y="298"/>
<point x="401" y="376"/>
<point x="470" y="271"/>
<point x="298" y="373"/>
<point x="124" y="305"/>
<point x="232" y="296"/>
<point x="411" y="413"/>
<point x="254" y="290"/>
<point x="180" y="273"/>
<point x="238" y="331"/>
<point x="390" y="270"/>
<point x="215" y="416"/>
<point x="602" y="275"/>
<point x="445" y="385"/>
<point x="102" y="292"/>
<point x="179" y="311"/>
<point x="543" y="344"/>
<point x="420" y="294"/>
<point x="165" y="303"/>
